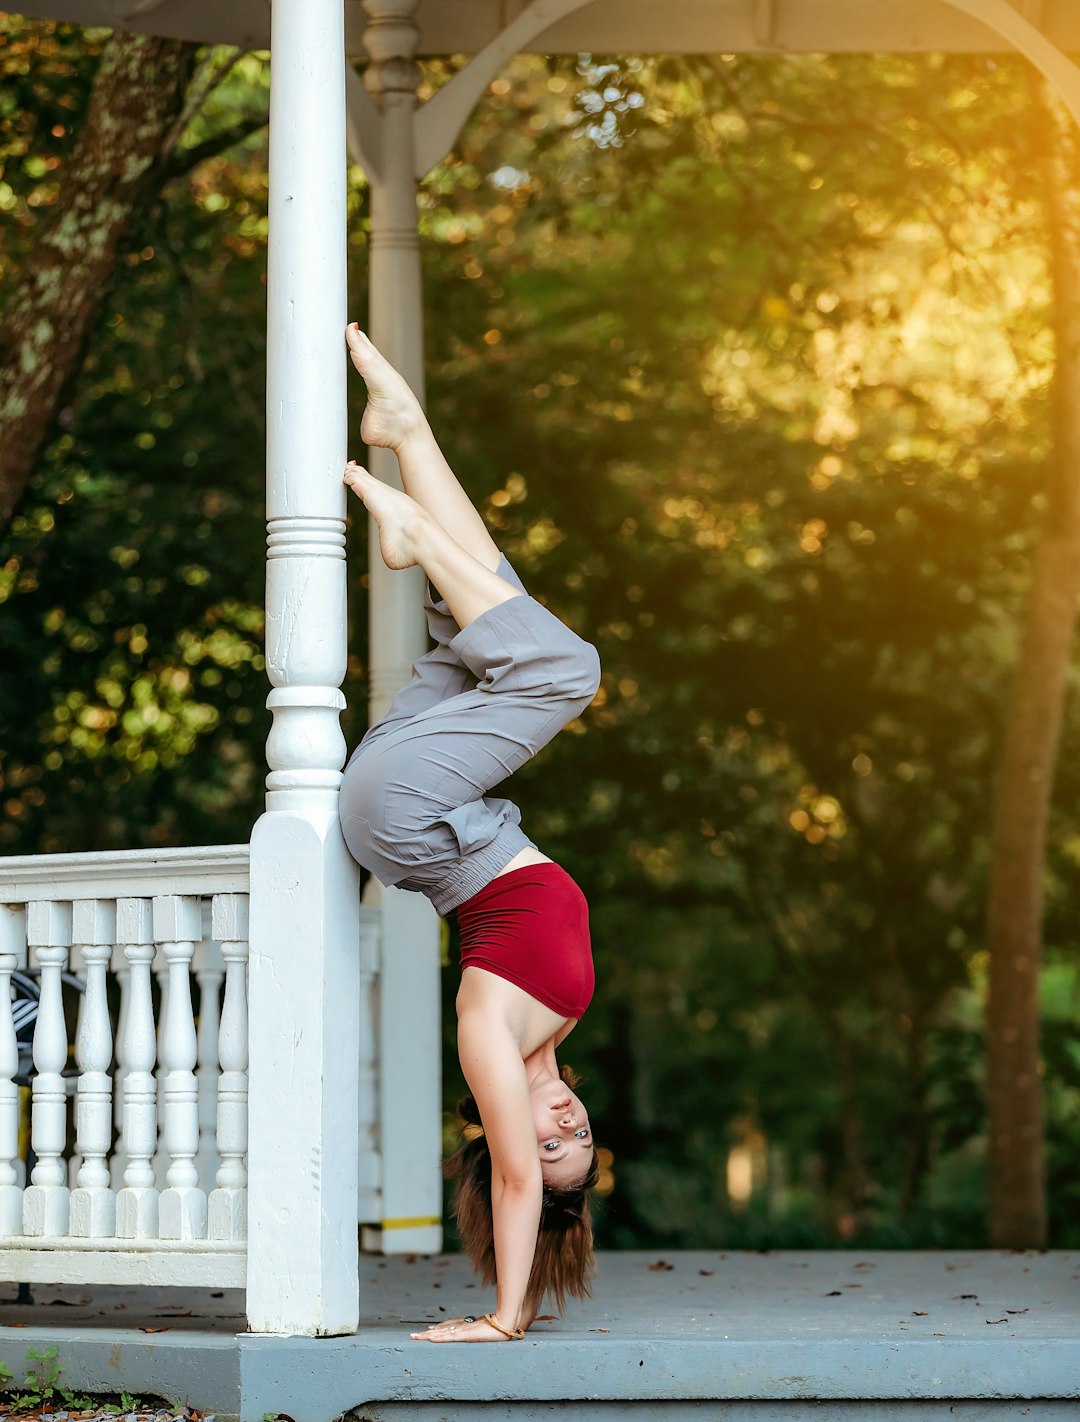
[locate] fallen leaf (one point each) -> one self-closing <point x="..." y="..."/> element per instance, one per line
<point x="661" y="1266"/>
<point x="937" y="1335"/>
<point x="546" y="1317"/>
<point x="852" y="1286"/>
<point x="1017" y="1310"/>
<point x="706" y="1273"/>
<point x="865" y="1264"/>
<point x="965" y="1296"/>
<point x="997" y="1320"/>
<point x="918" y="1313"/>
<point x="599" y="1330"/>
<point x="833" y="1294"/>
<point x="153" y="1330"/>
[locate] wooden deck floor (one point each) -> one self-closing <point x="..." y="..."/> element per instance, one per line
<point x="738" y="1337"/>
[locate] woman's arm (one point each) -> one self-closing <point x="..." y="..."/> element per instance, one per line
<point x="491" y="1062"/>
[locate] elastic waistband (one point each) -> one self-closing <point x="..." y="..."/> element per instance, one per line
<point x="474" y="873"/>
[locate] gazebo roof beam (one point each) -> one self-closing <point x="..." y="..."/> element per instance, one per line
<point x="610" y="26"/>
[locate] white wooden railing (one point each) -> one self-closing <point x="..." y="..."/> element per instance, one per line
<point x="139" y="1174"/>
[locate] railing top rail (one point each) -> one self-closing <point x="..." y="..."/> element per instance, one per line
<point x="218" y="868"/>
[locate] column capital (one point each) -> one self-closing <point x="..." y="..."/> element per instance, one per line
<point x="390" y="39"/>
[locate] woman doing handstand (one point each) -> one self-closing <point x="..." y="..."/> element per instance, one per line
<point x="505" y="675"/>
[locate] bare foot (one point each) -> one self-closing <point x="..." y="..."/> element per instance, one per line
<point x="393" y="412"/>
<point x="399" y="517"/>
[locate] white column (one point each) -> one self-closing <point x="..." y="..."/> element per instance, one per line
<point x="303" y="975"/>
<point x="93" y="1204"/>
<point x="228" y="1203"/>
<point x="45" y="1201"/>
<point x="182" y="1206"/>
<point x="409" y="1031"/>
<point x="370" y="1155"/>
<point x="12" y="956"/>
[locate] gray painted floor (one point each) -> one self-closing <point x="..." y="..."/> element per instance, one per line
<point x="743" y="1337"/>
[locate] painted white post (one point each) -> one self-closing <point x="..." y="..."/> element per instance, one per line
<point x="228" y="1203"/>
<point x="409" y="1030"/>
<point x="137" y="1201"/>
<point x="45" y="1201"/>
<point x="209" y="971"/>
<point x="182" y="1206"/>
<point x="93" y="1204"/>
<point x="12" y="956"/>
<point x="303" y="975"/>
<point x="370" y="1195"/>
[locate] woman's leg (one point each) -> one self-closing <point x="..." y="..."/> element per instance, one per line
<point x="394" y="420"/>
<point x="415" y="806"/>
<point x="408" y="534"/>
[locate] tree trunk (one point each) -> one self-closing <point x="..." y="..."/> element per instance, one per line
<point x="1017" y="1206"/>
<point x="131" y="126"/>
<point x="856" y="1183"/>
<point x="917" y="1155"/>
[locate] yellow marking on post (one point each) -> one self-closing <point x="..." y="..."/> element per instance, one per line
<point x="419" y="1222"/>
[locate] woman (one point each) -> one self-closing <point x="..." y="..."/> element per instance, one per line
<point x="505" y="675"/>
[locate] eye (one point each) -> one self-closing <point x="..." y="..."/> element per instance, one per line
<point x="552" y="1145"/>
<point x="582" y="1133"/>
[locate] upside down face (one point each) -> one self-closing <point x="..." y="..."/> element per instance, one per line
<point x="563" y="1134"/>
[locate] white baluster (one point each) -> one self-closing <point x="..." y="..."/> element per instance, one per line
<point x="228" y="1203"/>
<point x="161" y="1155"/>
<point x="77" y="967"/>
<point x="177" y="925"/>
<point x="137" y="1202"/>
<point x="370" y="1201"/>
<point x="12" y="956"/>
<point x="45" y="1201"/>
<point x="209" y="971"/>
<point x="119" y="1159"/>
<point x="93" y="1203"/>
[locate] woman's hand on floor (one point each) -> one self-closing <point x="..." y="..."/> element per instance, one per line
<point x="461" y="1330"/>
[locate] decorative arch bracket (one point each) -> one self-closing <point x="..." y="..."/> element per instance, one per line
<point x="1055" y="66"/>
<point x="441" y="119"/>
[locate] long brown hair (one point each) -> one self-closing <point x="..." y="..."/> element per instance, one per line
<point x="563" y="1262"/>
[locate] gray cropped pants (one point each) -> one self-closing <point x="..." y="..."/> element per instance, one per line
<point x="415" y="808"/>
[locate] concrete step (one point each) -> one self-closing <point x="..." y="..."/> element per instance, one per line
<point x="739" y="1337"/>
